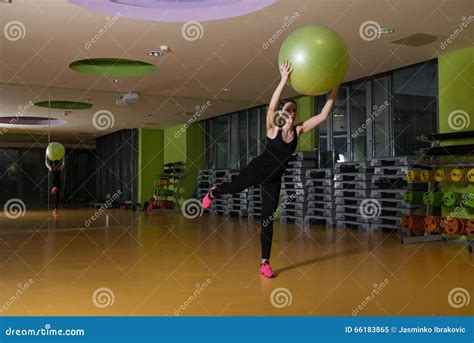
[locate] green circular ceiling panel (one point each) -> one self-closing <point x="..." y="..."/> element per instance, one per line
<point x="113" y="67"/>
<point x="64" y="105"/>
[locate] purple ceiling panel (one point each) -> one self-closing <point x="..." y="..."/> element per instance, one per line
<point x="175" y="10"/>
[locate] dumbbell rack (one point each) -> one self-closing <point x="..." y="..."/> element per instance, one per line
<point x="169" y="185"/>
<point x="442" y="157"/>
<point x="351" y="187"/>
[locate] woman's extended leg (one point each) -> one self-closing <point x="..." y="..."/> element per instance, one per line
<point x="270" y="196"/>
<point x="247" y="177"/>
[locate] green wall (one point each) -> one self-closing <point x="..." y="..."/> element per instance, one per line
<point x="306" y="109"/>
<point x="456" y="93"/>
<point x="456" y="90"/>
<point x="187" y="145"/>
<point x="150" y="160"/>
<point x="177" y="143"/>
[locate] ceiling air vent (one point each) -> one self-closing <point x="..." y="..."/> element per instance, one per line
<point x="418" y="39"/>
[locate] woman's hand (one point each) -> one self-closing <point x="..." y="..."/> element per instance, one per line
<point x="285" y="70"/>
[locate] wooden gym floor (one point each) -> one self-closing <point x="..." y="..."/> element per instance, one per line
<point x="164" y="264"/>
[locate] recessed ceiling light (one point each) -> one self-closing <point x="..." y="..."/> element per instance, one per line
<point x="156" y="53"/>
<point x="386" y="30"/>
<point x="165" y="48"/>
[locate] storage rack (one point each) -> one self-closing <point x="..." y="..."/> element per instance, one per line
<point x="293" y="192"/>
<point x="388" y="187"/>
<point x="168" y="186"/>
<point x="445" y="158"/>
<point x="321" y="206"/>
<point x="351" y="187"/>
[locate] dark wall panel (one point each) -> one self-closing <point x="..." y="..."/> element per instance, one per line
<point x="117" y="163"/>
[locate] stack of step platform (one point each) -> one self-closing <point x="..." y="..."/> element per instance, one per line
<point x="352" y="182"/>
<point x="219" y="205"/>
<point x="320" y="199"/>
<point x="389" y="184"/>
<point x="205" y="177"/>
<point x="237" y="204"/>
<point x="254" y="198"/>
<point x="293" y="192"/>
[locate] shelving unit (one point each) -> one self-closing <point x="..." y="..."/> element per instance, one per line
<point x="168" y="186"/>
<point x="452" y="180"/>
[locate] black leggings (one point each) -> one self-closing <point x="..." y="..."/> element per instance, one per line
<point x="57" y="199"/>
<point x="270" y="194"/>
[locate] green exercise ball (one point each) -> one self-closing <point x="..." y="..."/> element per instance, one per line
<point x="55" y="151"/>
<point x="319" y="59"/>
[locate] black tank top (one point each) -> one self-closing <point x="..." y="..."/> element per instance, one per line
<point x="56" y="177"/>
<point x="274" y="159"/>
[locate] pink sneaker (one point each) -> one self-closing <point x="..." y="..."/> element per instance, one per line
<point x="54" y="190"/>
<point x="207" y="200"/>
<point x="150" y="205"/>
<point x="266" y="270"/>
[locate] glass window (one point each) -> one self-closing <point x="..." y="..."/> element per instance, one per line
<point x="380" y="114"/>
<point x="254" y="136"/>
<point x="243" y="138"/>
<point x="414" y="106"/>
<point x="324" y="151"/>
<point x="339" y="120"/>
<point x="234" y="146"/>
<point x="358" y="117"/>
<point x="220" y="141"/>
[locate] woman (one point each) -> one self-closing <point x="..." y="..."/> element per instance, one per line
<point x="55" y="168"/>
<point x="267" y="169"/>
